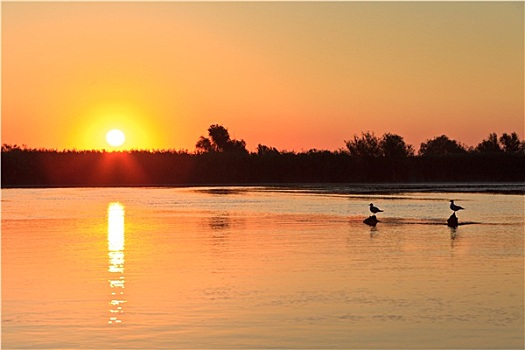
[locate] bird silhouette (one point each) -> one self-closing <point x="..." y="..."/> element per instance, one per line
<point x="375" y="210"/>
<point x="454" y="207"/>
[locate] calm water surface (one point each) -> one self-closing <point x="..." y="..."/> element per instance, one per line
<point x="260" y="267"/>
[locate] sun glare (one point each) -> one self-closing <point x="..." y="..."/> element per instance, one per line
<point x="115" y="137"/>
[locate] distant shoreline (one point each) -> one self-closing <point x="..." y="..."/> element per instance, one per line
<point x="515" y="188"/>
<point x="33" y="168"/>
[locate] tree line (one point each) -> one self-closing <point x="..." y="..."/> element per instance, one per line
<point x="219" y="159"/>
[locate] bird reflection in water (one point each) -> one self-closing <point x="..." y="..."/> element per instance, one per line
<point x="219" y="222"/>
<point x="116" y="260"/>
<point x="373" y="231"/>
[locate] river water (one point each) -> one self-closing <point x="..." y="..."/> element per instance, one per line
<point x="262" y="267"/>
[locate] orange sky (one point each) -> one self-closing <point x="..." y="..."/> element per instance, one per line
<point x="294" y="76"/>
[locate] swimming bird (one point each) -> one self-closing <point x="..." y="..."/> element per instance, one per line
<point x="454" y="207"/>
<point x="375" y="209"/>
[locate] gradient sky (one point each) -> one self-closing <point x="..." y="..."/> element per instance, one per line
<point x="291" y="75"/>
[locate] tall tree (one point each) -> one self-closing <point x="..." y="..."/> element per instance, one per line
<point x="203" y="145"/>
<point x="393" y="146"/>
<point x="220" y="137"/>
<point x="366" y="146"/>
<point x="219" y="141"/>
<point x="441" y="145"/>
<point x="511" y="143"/>
<point x="489" y="145"/>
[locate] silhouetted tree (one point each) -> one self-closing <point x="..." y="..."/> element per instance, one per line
<point x="490" y="145"/>
<point x="440" y="146"/>
<point x="511" y="143"/>
<point x="204" y="145"/>
<point x="220" y="137"/>
<point x="370" y="146"/>
<point x="393" y="146"/>
<point x="366" y="146"/>
<point x="219" y="141"/>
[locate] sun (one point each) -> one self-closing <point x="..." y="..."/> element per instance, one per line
<point x="115" y="137"/>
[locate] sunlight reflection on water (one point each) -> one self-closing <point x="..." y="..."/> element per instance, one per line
<point x="116" y="242"/>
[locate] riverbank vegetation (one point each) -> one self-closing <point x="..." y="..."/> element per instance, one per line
<point x="218" y="159"/>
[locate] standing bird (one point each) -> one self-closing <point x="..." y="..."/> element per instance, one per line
<point x="454" y="207"/>
<point x="375" y="210"/>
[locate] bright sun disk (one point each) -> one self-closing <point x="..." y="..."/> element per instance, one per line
<point x="115" y="137"/>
